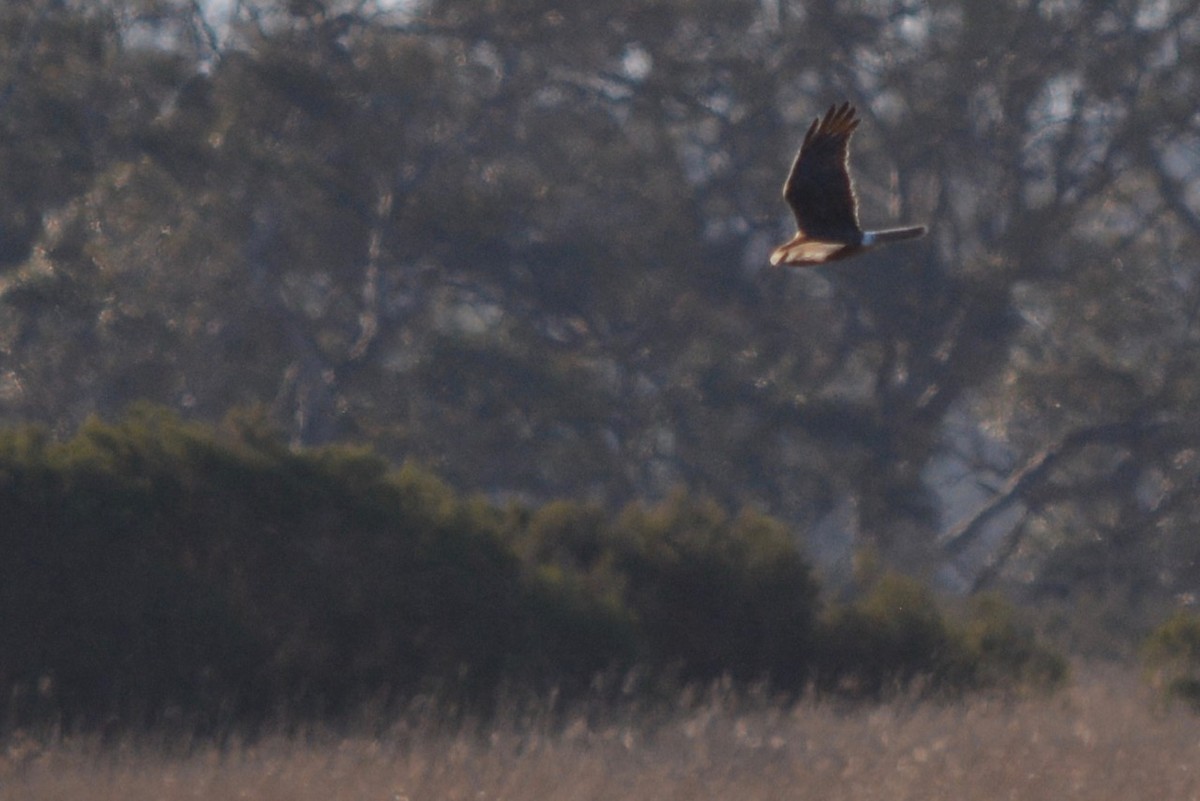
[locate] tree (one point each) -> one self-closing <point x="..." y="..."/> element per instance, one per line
<point x="524" y="242"/>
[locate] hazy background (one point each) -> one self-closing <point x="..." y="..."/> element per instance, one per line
<point x="524" y="243"/>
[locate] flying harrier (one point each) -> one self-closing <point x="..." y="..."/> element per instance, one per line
<point x="822" y="197"/>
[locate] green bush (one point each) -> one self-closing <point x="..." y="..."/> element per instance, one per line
<point x="151" y="564"/>
<point x="897" y="637"/>
<point x="155" y="569"/>
<point x="716" y="595"/>
<point x="885" y="640"/>
<point x="1172" y="657"/>
<point x="698" y="594"/>
<point x="1001" y="649"/>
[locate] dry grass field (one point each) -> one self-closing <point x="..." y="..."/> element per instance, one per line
<point x="1103" y="739"/>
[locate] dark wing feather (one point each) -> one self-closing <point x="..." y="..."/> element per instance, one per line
<point x="818" y="188"/>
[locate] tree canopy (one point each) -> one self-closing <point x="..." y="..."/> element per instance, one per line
<point x="524" y="242"/>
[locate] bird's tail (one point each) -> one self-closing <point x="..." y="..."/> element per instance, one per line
<point x="892" y="235"/>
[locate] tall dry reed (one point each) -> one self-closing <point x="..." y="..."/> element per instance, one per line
<point x="1103" y="739"/>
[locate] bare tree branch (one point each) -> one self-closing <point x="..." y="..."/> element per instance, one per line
<point x="1031" y="475"/>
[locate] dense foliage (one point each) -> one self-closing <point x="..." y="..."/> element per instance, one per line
<point x="1172" y="655"/>
<point x="523" y="240"/>
<point x="158" y="569"/>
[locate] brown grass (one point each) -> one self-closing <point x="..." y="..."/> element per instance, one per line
<point x="1105" y="738"/>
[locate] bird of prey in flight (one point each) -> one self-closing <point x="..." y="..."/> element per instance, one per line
<point x="822" y="197"/>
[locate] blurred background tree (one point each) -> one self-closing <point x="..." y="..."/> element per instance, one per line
<point x="524" y="242"/>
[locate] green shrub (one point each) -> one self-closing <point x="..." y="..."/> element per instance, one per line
<point x="715" y="595"/>
<point x="887" y="639"/>
<point x="695" y="594"/>
<point x="152" y="564"/>
<point x="1172" y="658"/>
<point x="897" y="637"/>
<point x="1001" y="649"/>
<point x="153" y="567"/>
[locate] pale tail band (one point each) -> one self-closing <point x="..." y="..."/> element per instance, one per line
<point x="871" y="238"/>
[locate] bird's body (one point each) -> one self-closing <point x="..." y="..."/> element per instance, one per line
<point x="821" y="195"/>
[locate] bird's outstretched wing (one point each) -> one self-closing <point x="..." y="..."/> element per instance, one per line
<point x="818" y="188"/>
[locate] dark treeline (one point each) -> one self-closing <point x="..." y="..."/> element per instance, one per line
<point x="522" y="242"/>
<point x="161" y="571"/>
